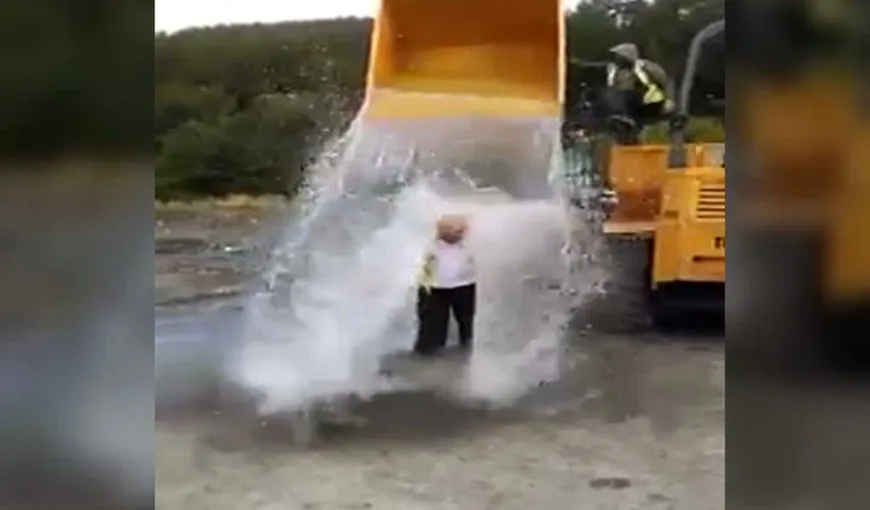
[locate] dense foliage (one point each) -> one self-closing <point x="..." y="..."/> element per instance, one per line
<point x="243" y="109"/>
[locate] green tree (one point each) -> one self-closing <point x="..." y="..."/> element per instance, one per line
<point x="182" y="162"/>
<point x="255" y="151"/>
<point x="178" y="102"/>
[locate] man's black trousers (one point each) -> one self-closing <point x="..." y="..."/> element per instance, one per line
<point x="434" y="307"/>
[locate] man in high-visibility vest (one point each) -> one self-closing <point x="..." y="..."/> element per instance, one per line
<point x="446" y="284"/>
<point x="638" y="89"/>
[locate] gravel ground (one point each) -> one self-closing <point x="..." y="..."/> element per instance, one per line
<point x="203" y="250"/>
<point x="638" y="424"/>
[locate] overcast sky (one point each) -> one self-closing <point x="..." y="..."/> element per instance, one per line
<point x="172" y="15"/>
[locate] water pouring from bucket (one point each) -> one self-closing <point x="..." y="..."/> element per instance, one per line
<point x="448" y="113"/>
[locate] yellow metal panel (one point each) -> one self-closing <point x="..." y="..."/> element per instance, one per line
<point x="391" y="104"/>
<point x="638" y="174"/>
<point x="446" y="58"/>
<point x="703" y="252"/>
<point x="694" y="253"/>
<point x="666" y="253"/>
<point x="847" y="275"/>
<point x="690" y="235"/>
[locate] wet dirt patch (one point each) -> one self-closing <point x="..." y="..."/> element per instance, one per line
<point x="203" y="249"/>
<point x="176" y="246"/>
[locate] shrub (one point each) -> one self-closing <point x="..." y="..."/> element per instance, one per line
<point x="698" y="130"/>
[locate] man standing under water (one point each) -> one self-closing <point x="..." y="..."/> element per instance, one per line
<point x="447" y="284"/>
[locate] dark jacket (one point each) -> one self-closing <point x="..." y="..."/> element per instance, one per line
<point x="626" y="79"/>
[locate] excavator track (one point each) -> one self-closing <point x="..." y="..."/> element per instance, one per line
<point x="621" y="306"/>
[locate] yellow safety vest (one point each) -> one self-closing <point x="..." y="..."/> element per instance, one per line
<point x="653" y="94"/>
<point x="426" y="278"/>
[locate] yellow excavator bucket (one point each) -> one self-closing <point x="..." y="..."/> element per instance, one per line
<point x="448" y="58"/>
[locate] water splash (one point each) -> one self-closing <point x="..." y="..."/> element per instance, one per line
<point x="338" y="296"/>
<point x="327" y="336"/>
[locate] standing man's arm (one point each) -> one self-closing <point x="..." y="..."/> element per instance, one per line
<point x="426" y="273"/>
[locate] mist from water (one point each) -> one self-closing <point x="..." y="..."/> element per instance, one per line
<point x="340" y="290"/>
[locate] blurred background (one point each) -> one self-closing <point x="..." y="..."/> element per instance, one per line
<point x="76" y="264"/>
<point x="797" y="300"/>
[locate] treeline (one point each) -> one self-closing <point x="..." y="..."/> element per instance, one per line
<point x="243" y="109"/>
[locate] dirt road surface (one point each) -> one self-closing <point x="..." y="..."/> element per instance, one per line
<point x="637" y="424"/>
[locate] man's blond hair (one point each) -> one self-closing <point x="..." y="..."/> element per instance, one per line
<point x="452" y="227"/>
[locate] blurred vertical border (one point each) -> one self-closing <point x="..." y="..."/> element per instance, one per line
<point x="798" y="298"/>
<point x="76" y="254"/>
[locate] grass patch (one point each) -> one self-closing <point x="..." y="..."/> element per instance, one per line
<point x="228" y="202"/>
<point x="698" y="130"/>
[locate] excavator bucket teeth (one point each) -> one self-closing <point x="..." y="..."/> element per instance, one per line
<point x="450" y="58"/>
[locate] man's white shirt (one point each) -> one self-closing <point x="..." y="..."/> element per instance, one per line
<point x="454" y="265"/>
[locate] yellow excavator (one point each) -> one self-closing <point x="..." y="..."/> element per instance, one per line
<point x="666" y="226"/>
<point x="502" y="63"/>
